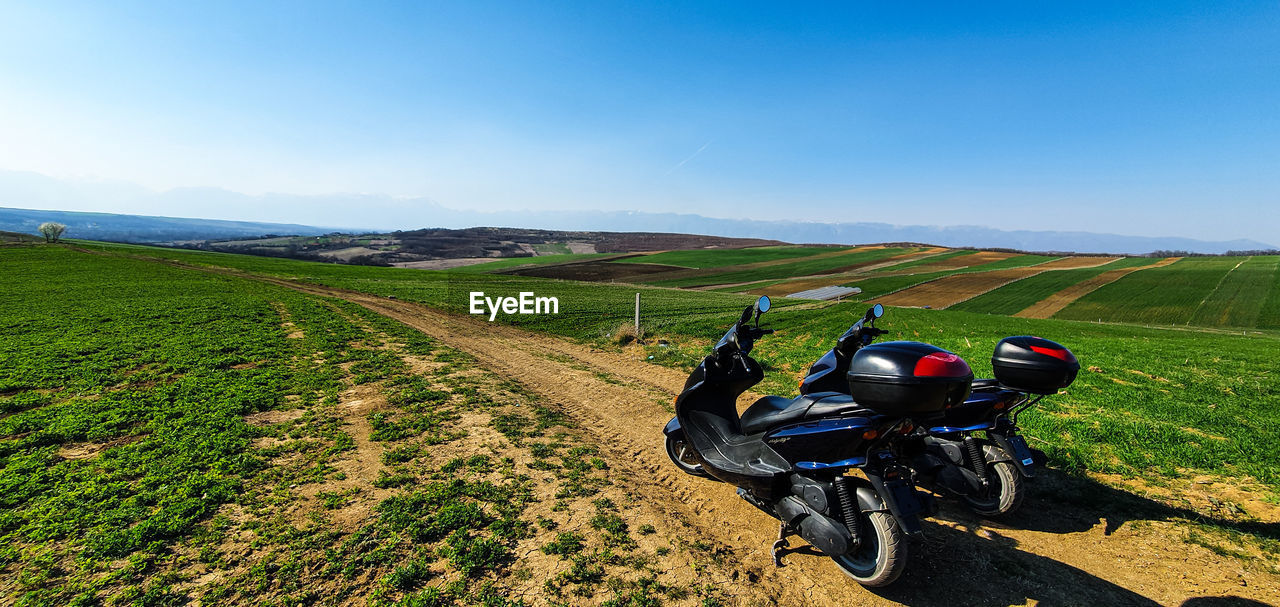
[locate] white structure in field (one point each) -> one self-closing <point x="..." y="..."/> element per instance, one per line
<point x="826" y="293"/>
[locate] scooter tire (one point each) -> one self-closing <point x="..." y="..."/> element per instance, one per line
<point x="1009" y="491"/>
<point x="881" y="555"/>
<point x="681" y="455"/>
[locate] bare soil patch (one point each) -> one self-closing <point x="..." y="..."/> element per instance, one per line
<point x="275" y="416"/>
<point x="88" y="450"/>
<point x="1053" y="304"/>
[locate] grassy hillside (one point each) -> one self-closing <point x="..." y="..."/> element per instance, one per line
<point x="876" y="284"/>
<point x="1238" y="299"/>
<point x="169" y="436"/>
<point x="1173" y="294"/>
<point x="814" y="265"/>
<point x="1148" y="401"/>
<point x="1015" y="297"/>
<point x="514" y="262"/>
<point x="716" y="258"/>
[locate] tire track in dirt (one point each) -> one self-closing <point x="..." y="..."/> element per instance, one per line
<point x="626" y="419"/>
<point x="1053" y="552"/>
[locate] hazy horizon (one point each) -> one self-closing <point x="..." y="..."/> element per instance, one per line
<point x="1154" y="120"/>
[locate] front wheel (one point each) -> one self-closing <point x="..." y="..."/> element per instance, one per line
<point x="1006" y="491"/>
<point x="682" y="455"/>
<point x="881" y="554"/>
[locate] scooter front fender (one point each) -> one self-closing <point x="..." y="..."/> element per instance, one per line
<point x="900" y="497"/>
<point x="673" y="427"/>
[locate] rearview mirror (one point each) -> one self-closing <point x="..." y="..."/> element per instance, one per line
<point x="875" y="312"/>
<point x="763" y="304"/>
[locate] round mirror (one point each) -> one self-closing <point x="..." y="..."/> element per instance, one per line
<point x="877" y="310"/>
<point x="763" y="304"/>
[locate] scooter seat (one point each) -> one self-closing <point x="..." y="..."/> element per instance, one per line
<point x="985" y="385"/>
<point x="773" y="411"/>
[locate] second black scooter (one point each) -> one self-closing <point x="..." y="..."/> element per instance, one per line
<point x="986" y="472"/>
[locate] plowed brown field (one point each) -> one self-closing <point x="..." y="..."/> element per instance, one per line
<point x="1054" y="303"/>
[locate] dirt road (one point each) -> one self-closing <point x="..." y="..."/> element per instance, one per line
<point x="1075" y="542"/>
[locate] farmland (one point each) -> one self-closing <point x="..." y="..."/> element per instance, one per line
<point x="718" y="258"/>
<point x="1226" y="371"/>
<point x="816" y="264"/>
<point x="240" y="441"/>
<point x="514" y="262"/>
<point x="1017" y="296"/>
<point x="171" y="434"/>
<point x="1174" y="294"/>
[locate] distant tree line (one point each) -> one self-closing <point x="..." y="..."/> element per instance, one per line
<point x="1227" y="254"/>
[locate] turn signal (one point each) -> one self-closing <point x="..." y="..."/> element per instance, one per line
<point x="870" y="434"/>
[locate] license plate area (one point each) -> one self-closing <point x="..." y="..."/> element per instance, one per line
<point x="1021" y="451"/>
<point x="905" y="497"/>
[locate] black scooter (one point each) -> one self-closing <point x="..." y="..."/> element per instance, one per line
<point x="789" y="457"/>
<point x="948" y="457"/>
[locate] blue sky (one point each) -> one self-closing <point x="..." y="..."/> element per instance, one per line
<point x="1139" y="118"/>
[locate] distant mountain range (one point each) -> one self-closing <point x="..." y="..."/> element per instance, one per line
<point x="143" y="228"/>
<point x="20" y="189"/>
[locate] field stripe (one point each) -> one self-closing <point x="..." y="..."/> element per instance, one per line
<point x="950" y="290"/>
<point x="1240" y="298"/>
<point x="1215" y="289"/>
<point x="1055" y="303"/>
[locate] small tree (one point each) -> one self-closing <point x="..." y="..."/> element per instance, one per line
<point x="52" y="230"/>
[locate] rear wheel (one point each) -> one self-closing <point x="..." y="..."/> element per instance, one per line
<point x="1006" y="491"/>
<point x="682" y="455"/>
<point x="881" y="554"/>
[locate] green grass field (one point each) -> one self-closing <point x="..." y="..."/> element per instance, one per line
<point x="1237" y="301"/>
<point x="717" y="258"/>
<point x="170" y="435"/>
<point x="1141" y="412"/>
<point x="513" y="262"/>
<point x="131" y="470"/>
<point x="803" y="267"/>
<point x="874" y="285"/>
<point x="1017" y="296"/>
<point x="1169" y="295"/>
<point x="906" y="265"/>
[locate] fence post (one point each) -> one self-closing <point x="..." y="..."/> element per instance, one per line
<point x="637" y="316"/>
